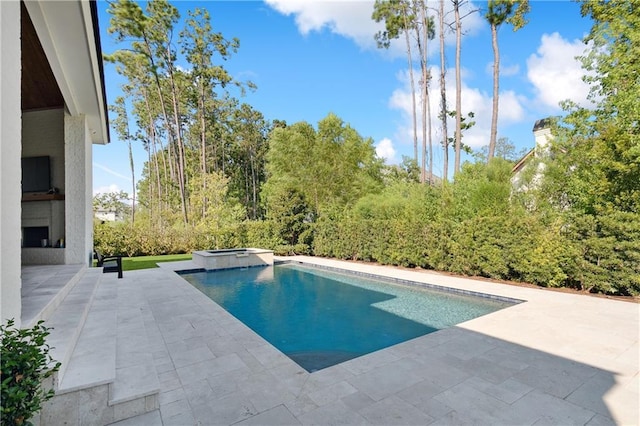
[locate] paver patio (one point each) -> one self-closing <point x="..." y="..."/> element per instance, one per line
<point x="558" y="358"/>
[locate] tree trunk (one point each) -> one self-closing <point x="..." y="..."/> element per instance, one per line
<point x="443" y="95"/>
<point x="424" y="98"/>
<point x="133" y="183"/>
<point x="254" y="188"/>
<point x="496" y="88"/>
<point x="180" y="144"/>
<point x="456" y="167"/>
<point x="413" y="89"/>
<point x="154" y="153"/>
<point x="427" y="77"/>
<point x="203" y="147"/>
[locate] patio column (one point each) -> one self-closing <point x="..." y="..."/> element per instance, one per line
<point x="78" y="187"/>
<point x="10" y="171"/>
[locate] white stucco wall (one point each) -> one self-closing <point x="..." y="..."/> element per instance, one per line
<point x="78" y="190"/>
<point x="10" y="142"/>
<point x="542" y="137"/>
<point x="43" y="134"/>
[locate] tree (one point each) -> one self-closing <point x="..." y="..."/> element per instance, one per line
<point x="397" y="19"/>
<point x="289" y="213"/>
<point x="221" y="209"/>
<point x="423" y="37"/>
<point x="443" y="93"/>
<point x="592" y="176"/>
<point x="457" y="5"/>
<point x="332" y="165"/>
<point x="464" y="125"/>
<point x="150" y="36"/>
<point x="250" y="132"/>
<point x="121" y="125"/>
<point x="499" y="12"/>
<point x="406" y="171"/>
<point x="183" y="114"/>
<point x="406" y="16"/>
<point x="504" y="149"/>
<point x="200" y="45"/>
<point x="112" y="202"/>
<point x="458" y="131"/>
<point x="596" y="151"/>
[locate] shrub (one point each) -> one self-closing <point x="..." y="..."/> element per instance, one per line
<point x="608" y="247"/>
<point x="25" y="362"/>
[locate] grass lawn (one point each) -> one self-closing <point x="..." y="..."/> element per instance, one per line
<point x="146" y="262"/>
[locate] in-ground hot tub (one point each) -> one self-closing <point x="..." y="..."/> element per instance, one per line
<point x="232" y="258"/>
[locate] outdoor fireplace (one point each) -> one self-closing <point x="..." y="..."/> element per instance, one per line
<point x="32" y="236"/>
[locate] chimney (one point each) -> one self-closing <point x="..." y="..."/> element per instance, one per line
<point x="542" y="135"/>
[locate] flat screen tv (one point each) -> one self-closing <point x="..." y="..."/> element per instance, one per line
<point x="36" y="174"/>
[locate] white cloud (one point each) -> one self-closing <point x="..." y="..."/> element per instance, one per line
<point x="112" y="172"/>
<point x="106" y="189"/>
<point x="352" y="19"/>
<point x="508" y="71"/>
<point x="555" y="73"/>
<point x="385" y="149"/>
<point x="473" y="100"/>
<point x="505" y="70"/>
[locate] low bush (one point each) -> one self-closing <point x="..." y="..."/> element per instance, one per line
<point x="24" y="363"/>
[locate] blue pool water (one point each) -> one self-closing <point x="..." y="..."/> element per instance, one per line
<point x="320" y="318"/>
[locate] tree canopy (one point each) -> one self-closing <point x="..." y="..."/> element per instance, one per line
<point x="597" y="149"/>
<point x="330" y="165"/>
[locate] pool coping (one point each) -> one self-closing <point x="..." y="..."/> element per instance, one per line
<point x="558" y="358"/>
<point x="307" y="267"/>
<point x="368" y="275"/>
<point x="407" y="282"/>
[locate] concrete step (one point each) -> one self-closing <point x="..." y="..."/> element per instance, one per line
<point x="44" y="287"/>
<point x="136" y="386"/>
<point x="93" y="361"/>
<point x="68" y="319"/>
<point x="111" y="375"/>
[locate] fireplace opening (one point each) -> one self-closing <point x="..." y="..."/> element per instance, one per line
<point x="32" y="236"/>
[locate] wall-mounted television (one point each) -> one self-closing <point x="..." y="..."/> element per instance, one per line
<point x="36" y="174"/>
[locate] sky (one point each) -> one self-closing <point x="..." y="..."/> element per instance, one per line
<point x="311" y="58"/>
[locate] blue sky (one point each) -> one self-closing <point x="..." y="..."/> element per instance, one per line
<point x="310" y="58"/>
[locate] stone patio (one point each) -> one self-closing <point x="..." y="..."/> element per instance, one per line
<point x="556" y="359"/>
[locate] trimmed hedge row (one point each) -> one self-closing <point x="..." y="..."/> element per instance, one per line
<point x="120" y="238"/>
<point x="599" y="254"/>
<point x="594" y="253"/>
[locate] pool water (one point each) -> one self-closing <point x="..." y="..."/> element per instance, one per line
<point x="320" y="318"/>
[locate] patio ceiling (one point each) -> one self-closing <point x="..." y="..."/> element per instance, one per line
<point x="62" y="61"/>
<point x="39" y="87"/>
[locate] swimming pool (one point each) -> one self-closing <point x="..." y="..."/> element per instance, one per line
<point x="320" y="318"/>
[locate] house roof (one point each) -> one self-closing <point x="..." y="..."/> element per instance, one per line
<point x="69" y="36"/>
<point x="543" y="123"/>
<point x="520" y="164"/>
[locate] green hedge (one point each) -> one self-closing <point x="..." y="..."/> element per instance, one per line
<point x="599" y="254"/>
<point x="120" y="238"/>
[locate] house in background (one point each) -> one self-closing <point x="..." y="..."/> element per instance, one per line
<point x="542" y="135"/>
<point x="52" y="109"/>
<point x="108" y="215"/>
